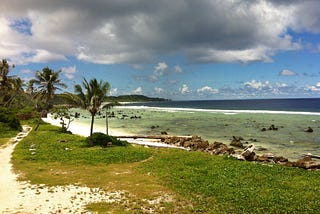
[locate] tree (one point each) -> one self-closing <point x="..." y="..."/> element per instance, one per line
<point x="48" y="82"/>
<point x="90" y="97"/>
<point x="6" y="81"/>
<point x="63" y="113"/>
<point x="107" y="107"/>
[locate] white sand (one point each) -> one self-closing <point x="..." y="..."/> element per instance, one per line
<point x="84" y="130"/>
<point x="22" y="197"/>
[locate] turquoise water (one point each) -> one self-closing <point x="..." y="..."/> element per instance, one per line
<point x="290" y="140"/>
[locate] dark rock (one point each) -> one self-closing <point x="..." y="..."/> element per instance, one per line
<point x="273" y="128"/>
<point x="280" y="159"/>
<point x="164" y="133"/>
<point x="263" y="159"/>
<point x="236" y="142"/>
<point x="248" y="153"/>
<point x="263" y="129"/>
<point x="309" y="129"/>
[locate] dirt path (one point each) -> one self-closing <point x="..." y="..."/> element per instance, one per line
<point x="22" y="197"/>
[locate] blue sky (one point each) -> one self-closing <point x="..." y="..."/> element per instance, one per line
<point x="181" y="50"/>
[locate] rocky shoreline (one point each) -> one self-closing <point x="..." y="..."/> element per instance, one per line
<point x="237" y="150"/>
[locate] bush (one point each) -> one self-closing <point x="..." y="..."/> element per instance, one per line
<point x="103" y="140"/>
<point x="9" y="118"/>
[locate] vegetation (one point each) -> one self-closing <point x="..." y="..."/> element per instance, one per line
<point x="197" y="182"/>
<point x="8" y="118"/>
<point x="103" y="140"/>
<point x="90" y="97"/>
<point x="48" y="82"/>
<point x="63" y="113"/>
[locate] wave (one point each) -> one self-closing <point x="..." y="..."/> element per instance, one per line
<point x="229" y="112"/>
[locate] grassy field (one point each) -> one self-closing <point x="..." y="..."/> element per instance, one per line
<point x="181" y="181"/>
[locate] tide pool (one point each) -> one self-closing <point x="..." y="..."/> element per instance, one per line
<point x="290" y="140"/>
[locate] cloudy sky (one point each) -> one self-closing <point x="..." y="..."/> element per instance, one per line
<point x="181" y="49"/>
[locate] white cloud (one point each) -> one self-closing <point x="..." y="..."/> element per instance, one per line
<point x="178" y="69"/>
<point x="313" y="88"/>
<point x="158" y="90"/>
<point x="184" y="89"/>
<point x="207" y="90"/>
<point x="136" y="32"/>
<point x="114" y="92"/>
<point x="288" y="73"/>
<point x="258" y="85"/>
<point x="137" y="90"/>
<point x="69" y="72"/>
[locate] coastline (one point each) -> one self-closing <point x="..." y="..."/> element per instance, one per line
<point x="225" y="111"/>
<point x="83" y="129"/>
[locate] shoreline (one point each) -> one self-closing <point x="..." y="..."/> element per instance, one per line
<point x="83" y="129"/>
<point x="225" y="111"/>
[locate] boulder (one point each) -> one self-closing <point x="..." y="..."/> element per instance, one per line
<point x="307" y="163"/>
<point x="273" y="128"/>
<point x="248" y="153"/>
<point x="236" y="142"/>
<point x="309" y="130"/>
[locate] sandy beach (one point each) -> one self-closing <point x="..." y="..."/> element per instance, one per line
<point x="83" y="129"/>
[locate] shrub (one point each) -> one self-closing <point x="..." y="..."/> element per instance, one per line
<point x="103" y="140"/>
<point x="9" y="118"/>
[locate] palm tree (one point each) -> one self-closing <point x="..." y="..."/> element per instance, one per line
<point x="48" y="82"/>
<point x="91" y="99"/>
<point x="10" y="86"/>
<point x="6" y="82"/>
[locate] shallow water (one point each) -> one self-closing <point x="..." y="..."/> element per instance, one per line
<point x="290" y="140"/>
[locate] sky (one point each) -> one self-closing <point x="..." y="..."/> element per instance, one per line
<point x="180" y="50"/>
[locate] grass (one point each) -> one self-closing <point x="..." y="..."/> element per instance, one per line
<point x="225" y="185"/>
<point x="195" y="182"/>
<point x="61" y="159"/>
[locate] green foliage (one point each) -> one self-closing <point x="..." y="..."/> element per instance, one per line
<point x="64" y="114"/>
<point x="103" y="140"/>
<point x="224" y="185"/>
<point x="9" y="118"/>
<point x="48" y="144"/>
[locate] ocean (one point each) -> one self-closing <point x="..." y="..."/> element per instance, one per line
<point x="220" y="120"/>
<point x="292" y="105"/>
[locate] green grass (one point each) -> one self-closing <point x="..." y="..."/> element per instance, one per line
<point x="198" y="182"/>
<point x="225" y="185"/>
<point x="48" y="144"/>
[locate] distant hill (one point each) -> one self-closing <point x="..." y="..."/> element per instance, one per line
<point x="134" y="98"/>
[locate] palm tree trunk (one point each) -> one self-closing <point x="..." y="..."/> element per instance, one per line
<point x="91" y="129"/>
<point x="107" y="124"/>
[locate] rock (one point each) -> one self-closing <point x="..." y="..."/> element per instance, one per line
<point x="248" y="153"/>
<point x="307" y="163"/>
<point x="263" y="159"/>
<point x="218" y="148"/>
<point x="280" y="159"/>
<point x="263" y="129"/>
<point x="273" y="128"/>
<point x="202" y="145"/>
<point x="309" y="129"/>
<point x="268" y="155"/>
<point x="164" y="133"/>
<point x="236" y="142"/>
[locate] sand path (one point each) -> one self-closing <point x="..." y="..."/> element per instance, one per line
<point x="22" y="197"/>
